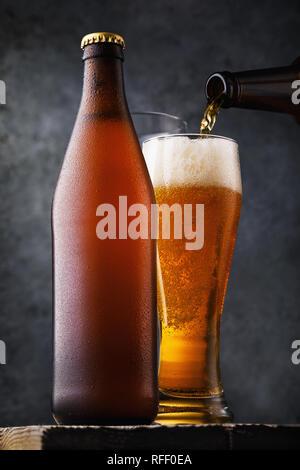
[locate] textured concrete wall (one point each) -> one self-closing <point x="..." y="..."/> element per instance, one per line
<point x="172" y="47"/>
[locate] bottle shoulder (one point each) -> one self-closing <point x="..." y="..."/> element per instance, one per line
<point x="104" y="160"/>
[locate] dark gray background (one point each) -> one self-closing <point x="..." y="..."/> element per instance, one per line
<point x="172" y="46"/>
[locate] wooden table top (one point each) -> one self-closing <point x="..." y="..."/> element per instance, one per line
<point x="152" y="437"/>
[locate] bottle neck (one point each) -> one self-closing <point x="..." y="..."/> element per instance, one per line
<point x="267" y="89"/>
<point x="103" y="86"/>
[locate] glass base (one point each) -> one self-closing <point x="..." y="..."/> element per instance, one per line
<point x="183" y="410"/>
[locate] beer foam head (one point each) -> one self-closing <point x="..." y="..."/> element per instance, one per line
<point x="182" y="161"/>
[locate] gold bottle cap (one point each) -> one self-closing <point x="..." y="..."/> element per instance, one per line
<point x="94" y="38"/>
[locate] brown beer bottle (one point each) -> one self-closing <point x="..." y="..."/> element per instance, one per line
<point x="275" y="89"/>
<point x="105" y="338"/>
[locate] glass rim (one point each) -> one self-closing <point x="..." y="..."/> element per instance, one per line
<point x="158" y="113"/>
<point x="190" y="134"/>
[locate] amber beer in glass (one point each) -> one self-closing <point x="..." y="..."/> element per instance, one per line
<point x="105" y="339"/>
<point x="191" y="170"/>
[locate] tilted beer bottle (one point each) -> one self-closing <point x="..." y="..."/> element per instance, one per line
<point x="275" y="89"/>
<point x="105" y="339"/>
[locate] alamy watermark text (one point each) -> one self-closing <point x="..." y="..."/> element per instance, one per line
<point x="296" y="93"/>
<point x="188" y="222"/>
<point x="295" y="358"/>
<point x="2" y="352"/>
<point x="2" y="92"/>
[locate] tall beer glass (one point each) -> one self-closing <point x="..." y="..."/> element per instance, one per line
<point x="198" y="172"/>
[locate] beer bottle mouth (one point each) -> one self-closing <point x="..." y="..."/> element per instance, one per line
<point x="222" y="84"/>
<point x="215" y="86"/>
